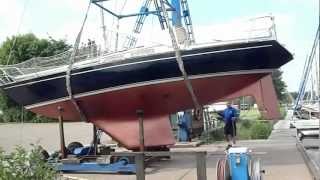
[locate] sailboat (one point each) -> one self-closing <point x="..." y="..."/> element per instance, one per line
<point x="108" y="88"/>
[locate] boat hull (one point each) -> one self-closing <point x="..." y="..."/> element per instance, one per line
<point x="115" y="112"/>
<point x="109" y="94"/>
<point x="149" y="70"/>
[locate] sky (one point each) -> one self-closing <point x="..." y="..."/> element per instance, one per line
<point x="296" y="23"/>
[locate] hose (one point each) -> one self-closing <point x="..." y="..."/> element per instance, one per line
<point x="223" y="170"/>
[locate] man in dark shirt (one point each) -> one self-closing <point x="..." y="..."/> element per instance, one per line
<point x="230" y="130"/>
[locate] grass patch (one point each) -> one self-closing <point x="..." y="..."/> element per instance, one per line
<point x="244" y="129"/>
<point x="260" y="130"/>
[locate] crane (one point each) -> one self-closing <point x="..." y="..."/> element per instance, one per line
<point x="178" y="8"/>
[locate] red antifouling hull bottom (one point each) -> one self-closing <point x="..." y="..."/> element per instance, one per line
<point x="115" y="111"/>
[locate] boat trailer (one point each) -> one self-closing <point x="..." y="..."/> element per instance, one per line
<point x="76" y="158"/>
<point x="92" y="165"/>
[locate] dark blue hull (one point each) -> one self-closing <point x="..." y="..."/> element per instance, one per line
<point x="210" y="60"/>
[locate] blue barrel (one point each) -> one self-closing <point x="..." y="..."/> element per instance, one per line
<point x="239" y="162"/>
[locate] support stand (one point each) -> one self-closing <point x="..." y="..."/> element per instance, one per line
<point x="61" y="130"/>
<point x="139" y="161"/>
<point x="140" y="114"/>
<point x="95" y="140"/>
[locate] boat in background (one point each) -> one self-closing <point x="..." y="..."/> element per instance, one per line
<point x="110" y="87"/>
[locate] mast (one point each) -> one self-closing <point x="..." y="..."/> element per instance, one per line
<point x="117" y="36"/>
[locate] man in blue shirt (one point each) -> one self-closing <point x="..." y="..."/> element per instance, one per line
<point x="230" y="130"/>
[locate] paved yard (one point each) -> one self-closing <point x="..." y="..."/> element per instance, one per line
<point x="279" y="155"/>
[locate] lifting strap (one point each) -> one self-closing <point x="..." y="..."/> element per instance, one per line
<point x="179" y="59"/>
<point x="72" y="59"/>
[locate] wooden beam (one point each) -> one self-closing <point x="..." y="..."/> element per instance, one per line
<point x="141" y="129"/>
<point x="61" y="130"/>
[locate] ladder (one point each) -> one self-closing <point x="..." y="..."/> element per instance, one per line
<point x="187" y="20"/>
<point x="159" y="13"/>
<point x="131" y="40"/>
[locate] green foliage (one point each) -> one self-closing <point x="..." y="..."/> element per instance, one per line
<point x="25" y="47"/>
<point x="243" y="133"/>
<point x="279" y="85"/>
<point x="283" y="112"/>
<point x="252" y="114"/>
<point x="260" y="130"/>
<point x="294" y="95"/>
<point x="213" y="135"/>
<point x="246" y="129"/>
<point x="246" y="123"/>
<point x="23" y="165"/>
<point x="28" y="46"/>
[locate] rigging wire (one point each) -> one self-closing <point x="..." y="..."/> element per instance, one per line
<point x="104" y="36"/>
<point x="112" y="26"/>
<point x="9" y="58"/>
<point x="18" y="30"/>
<point x="152" y="30"/>
<point x="121" y="10"/>
<point x="178" y="58"/>
<point x="72" y="59"/>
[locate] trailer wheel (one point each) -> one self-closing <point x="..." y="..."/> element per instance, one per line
<point x="223" y="170"/>
<point x="256" y="172"/>
<point x="44" y="155"/>
<point x="128" y="159"/>
<point x="73" y="145"/>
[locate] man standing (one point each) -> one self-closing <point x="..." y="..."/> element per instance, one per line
<point x="184" y="124"/>
<point x="230" y="130"/>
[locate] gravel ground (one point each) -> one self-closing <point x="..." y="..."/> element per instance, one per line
<point x="44" y="134"/>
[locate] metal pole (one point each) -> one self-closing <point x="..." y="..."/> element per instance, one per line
<point x="141" y="129"/>
<point x="95" y="139"/>
<point x="117" y="36"/>
<point x="61" y="130"/>
<point x="103" y="29"/>
<point x="205" y="119"/>
<point x="201" y="166"/>
<point x="139" y="160"/>
<point x="319" y="71"/>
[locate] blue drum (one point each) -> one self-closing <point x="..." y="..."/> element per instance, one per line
<point x="239" y="160"/>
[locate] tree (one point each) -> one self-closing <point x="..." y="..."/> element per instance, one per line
<point x="294" y="94"/>
<point x="18" y="49"/>
<point x="279" y="85"/>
